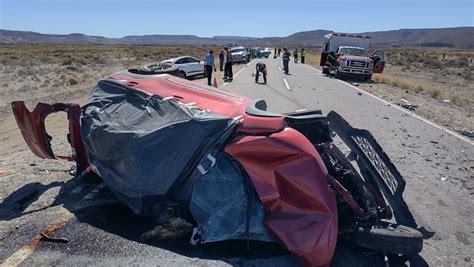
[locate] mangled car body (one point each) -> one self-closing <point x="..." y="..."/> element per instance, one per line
<point x="237" y="170"/>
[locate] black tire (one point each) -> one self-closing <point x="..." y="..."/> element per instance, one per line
<point x="326" y="70"/>
<point x="390" y="238"/>
<point x="338" y="75"/>
<point x="182" y="74"/>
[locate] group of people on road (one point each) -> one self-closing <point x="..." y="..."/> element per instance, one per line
<point x="286" y="57"/>
<point x="225" y="63"/>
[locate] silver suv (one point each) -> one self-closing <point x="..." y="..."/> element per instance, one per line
<point x="239" y="54"/>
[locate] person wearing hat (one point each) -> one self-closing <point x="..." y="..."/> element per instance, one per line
<point x="228" y="76"/>
<point x="286" y="59"/>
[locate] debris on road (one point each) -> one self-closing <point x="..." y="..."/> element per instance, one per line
<point x="175" y="228"/>
<point x="47" y="238"/>
<point x="406" y="104"/>
<point x="355" y="84"/>
<point x="359" y="93"/>
<point x="3" y="172"/>
<point x="469" y="134"/>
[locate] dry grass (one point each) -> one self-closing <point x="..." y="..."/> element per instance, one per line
<point x="68" y="72"/>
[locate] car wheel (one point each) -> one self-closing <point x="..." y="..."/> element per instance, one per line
<point x="182" y="74"/>
<point x="390" y="238"/>
<point x="326" y="70"/>
<point x="338" y="75"/>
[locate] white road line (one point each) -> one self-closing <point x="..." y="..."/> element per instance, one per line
<point x="26" y="250"/>
<point x="237" y="74"/>
<point x="465" y="139"/>
<point x="286" y="84"/>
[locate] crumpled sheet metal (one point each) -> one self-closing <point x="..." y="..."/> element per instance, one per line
<point x="143" y="146"/>
<point x="289" y="177"/>
<point x="225" y="204"/>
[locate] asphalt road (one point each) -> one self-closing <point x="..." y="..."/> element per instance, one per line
<point x="438" y="168"/>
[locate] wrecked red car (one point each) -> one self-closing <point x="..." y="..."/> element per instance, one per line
<point x="163" y="144"/>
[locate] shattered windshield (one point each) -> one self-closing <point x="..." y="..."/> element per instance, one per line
<point x="353" y="51"/>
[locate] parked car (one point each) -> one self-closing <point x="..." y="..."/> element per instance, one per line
<point x="346" y="55"/>
<point x="239" y="54"/>
<point x="168" y="147"/>
<point x="266" y="52"/>
<point x="188" y="66"/>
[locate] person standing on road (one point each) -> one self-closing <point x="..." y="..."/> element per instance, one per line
<point x="275" y="53"/>
<point x="221" y="60"/>
<point x="228" y="76"/>
<point x="209" y="66"/>
<point x="279" y="51"/>
<point x="286" y="59"/>
<point x="303" y="54"/>
<point x="295" y="55"/>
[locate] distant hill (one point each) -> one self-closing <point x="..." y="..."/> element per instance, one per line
<point x="21" y="37"/>
<point x="461" y="37"/>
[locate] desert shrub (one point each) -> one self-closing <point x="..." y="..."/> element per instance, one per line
<point x="26" y="88"/>
<point x="419" y="88"/>
<point x="434" y="93"/>
<point x="462" y="62"/>
<point x="455" y="99"/>
<point x="72" y="81"/>
<point x="404" y="85"/>
<point x="25" y="72"/>
<point x="66" y="61"/>
<point x="72" y="68"/>
<point x="81" y="61"/>
<point x="432" y="62"/>
<point x="14" y="57"/>
<point x="467" y="75"/>
<point x="5" y="85"/>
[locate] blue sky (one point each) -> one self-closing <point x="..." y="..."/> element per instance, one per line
<point x="117" y="18"/>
